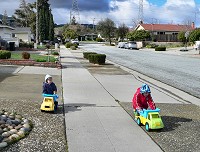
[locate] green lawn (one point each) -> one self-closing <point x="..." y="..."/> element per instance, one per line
<point x="44" y="47"/>
<point x="35" y="57"/>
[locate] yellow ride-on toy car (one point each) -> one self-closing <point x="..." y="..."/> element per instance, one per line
<point x="150" y="118"/>
<point x="49" y="102"/>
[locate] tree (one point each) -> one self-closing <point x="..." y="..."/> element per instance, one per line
<point x="181" y="36"/>
<point x="5" y="18"/>
<point x="69" y="33"/>
<point x="51" y="26"/>
<point x="122" y="31"/>
<point x="73" y="21"/>
<point x="107" y="28"/>
<point x="25" y="15"/>
<point x="140" y="35"/>
<point x="46" y="23"/>
<point x="194" y="35"/>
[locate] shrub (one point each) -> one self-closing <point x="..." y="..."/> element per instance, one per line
<point x="73" y="47"/>
<point x="26" y="45"/>
<point x="48" y="46"/>
<point x="76" y="45"/>
<point x="5" y="54"/>
<point x="55" y="53"/>
<point x="99" y="39"/>
<point x="68" y="45"/>
<point x="151" y="46"/>
<point x="41" y="60"/>
<point x="85" y="54"/>
<point x="97" y="58"/>
<point x="26" y="55"/>
<point x="91" y="58"/>
<point x="160" y="49"/>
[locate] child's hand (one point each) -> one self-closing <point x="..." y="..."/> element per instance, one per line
<point x="56" y="96"/>
<point x="139" y="109"/>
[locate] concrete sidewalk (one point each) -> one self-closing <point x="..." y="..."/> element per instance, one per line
<point x="94" y="120"/>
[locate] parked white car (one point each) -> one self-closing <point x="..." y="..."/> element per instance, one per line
<point x="197" y="45"/>
<point x="75" y="41"/>
<point x="130" y="45"/>
<point x="121" y="44"/>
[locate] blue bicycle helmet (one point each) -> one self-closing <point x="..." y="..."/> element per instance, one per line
<point x="145" y="88"/>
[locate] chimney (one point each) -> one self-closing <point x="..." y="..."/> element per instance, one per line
<point x="193" y="25"/>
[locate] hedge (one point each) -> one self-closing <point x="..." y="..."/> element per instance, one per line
<point x="69" y="44"/>
<point x="99" y="39"/>
<point x="160" y="49"/>
<point x="85" y="54"/>
<point x="72" y="47"/>
<point x="5" y="54"/>
<point x="26" y="45"/>
<point x="97" y="58"/>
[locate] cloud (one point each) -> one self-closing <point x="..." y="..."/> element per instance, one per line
<point x="83" y="5"/>
<point x="120" y="11"/>
<point x="171" y="11"/>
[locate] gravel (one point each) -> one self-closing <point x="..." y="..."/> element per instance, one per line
<point x="181" y="131"/>
<point x="48" y="133"/>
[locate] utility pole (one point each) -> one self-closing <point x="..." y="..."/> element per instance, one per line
<point x="93" y="23"/>
<point x="36" y="30"/>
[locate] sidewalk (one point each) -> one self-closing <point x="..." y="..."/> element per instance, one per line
<point x="95" y="122"/>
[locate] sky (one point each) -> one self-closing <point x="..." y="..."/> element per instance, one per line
<point x="120" y="11"/>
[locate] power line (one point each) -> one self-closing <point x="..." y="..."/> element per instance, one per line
<point x="74" y="13"/>
<point x="140" y="13"/>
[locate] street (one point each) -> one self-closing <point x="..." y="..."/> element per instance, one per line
<point x="179" y="71"/>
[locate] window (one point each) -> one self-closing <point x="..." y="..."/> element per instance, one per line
<point x="155" y="116"/>
<point x="161" y="33"/>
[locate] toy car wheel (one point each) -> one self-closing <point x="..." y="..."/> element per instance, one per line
<point x="139" y="121"/>
<point x="42" y="110"/>
<point x="147" y="126"/>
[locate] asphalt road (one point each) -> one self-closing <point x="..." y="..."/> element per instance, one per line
<point x="179" y="71"/>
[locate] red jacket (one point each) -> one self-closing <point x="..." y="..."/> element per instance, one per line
<point x="140" y="101"/>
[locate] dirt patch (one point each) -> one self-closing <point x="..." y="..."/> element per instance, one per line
<point x="107" y="69"/>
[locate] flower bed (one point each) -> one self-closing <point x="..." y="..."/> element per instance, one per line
<point x="24" y="49"/>
<point x="30" y="63"/>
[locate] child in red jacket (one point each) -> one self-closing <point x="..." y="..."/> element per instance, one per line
<point x="142" y="99"/>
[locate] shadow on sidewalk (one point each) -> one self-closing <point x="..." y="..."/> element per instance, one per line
<point x="72" y="65"/>
<point x="73" y="107"/>
<point x="7" y="71"/>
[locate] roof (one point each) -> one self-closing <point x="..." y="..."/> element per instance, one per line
<point x="166" y="27"/>
<point x="22" y="30"/>
<point x="5" y="26"/>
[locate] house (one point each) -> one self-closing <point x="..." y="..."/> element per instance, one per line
<point x="88" y="37"/>
<point x="6" y="34"/>
<point x="165" y="32"/>
<point x="23" y="33"/>
<point x="6" y="31"/>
